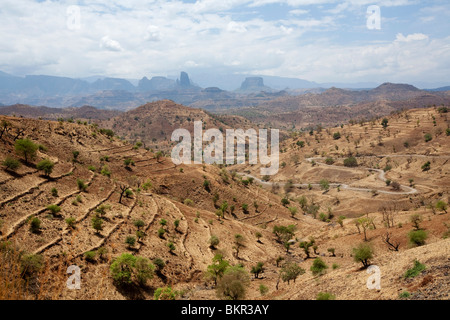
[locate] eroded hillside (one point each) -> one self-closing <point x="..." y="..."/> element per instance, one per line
<point x="173" y="212"/>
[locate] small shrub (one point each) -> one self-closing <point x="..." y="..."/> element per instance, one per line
<point x="318" y="267"/>
<point x="81" y="185"/>
<point x="90" y="256"/>
<point x="417" y="237"/>
<point x="351" y="162"/>
<point x="54" y="209"/>
<point x="263" y="289"/>
<point x="70" y="222"/>
<point x="325" y="296"/>
<point x="428" y="137"/>
<point x="415" y="270"/>
<point x="404" y="295"/>
<point x="54" y="192"/>
<point x="35" y="225"/>
<point x="213" y="241"/>
<point x="130" y="241"/>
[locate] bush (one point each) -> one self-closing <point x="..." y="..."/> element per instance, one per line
<point x="233" y="284"/>
<point x="54" y="192"/>
<point x="54" y="209"/>
<point x="336" y="135"/>
<point x="325" y="296"/>
<point x="97" y="223"/>
<point x="318" y="267"/>
<point x="166" y="293"/>
<point x="11" y="164"/>
<point x="417" y="237"/>
<point x="105" y="171"/>
<point x="81" y="185"/>
<point x="171" y="246"/>
<point x="31" y="264"/>
<point x="127" y="268"/>
<point x="426" y="166"/>
<point x="285" y="201"/>
<point x="139" y="224"/>
<point x="416" y="270"/>
<point x="428" y="137"/>
<point x="35" y="225"/>
<point x="329" y="161"/>
<point x="441" y="205"/>
<point x="213" y="241"/>
<point x="404" y="295"/>
<point x="207" y="185"/>
<point x="70" y="221"/>
<point x="351" y="162"/>
<point x="159" y="264"/>
<point x="263" y="289"/>
<point x="90" y="256"/>
<point x="130" y="241"/>
<point x="188" y="202"/>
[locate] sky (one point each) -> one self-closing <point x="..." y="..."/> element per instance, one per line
<point x="321" y="40"/>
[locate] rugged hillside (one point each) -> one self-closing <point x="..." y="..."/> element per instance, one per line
<point x="153" y="123"/>
<point x="195" y="195"/>
<point x="336" y="106"/>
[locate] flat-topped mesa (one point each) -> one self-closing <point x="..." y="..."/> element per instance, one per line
<point x="252" y="83"/>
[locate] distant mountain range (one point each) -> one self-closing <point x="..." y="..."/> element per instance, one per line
<point x="206" y="91"/>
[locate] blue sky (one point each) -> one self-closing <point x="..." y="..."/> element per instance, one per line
<point x="322" y="40"/>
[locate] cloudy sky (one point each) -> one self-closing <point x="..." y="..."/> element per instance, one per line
<point x="316" y="40"/>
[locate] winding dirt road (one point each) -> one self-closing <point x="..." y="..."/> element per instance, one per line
<point x="381" y="176"/>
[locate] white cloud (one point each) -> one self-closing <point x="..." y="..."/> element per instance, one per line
<point x="411" y="37"/>
<point x="110" y="44"/>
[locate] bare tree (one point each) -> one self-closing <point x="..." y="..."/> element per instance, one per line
<point x="392" y="245"/>
<point x="123" y="188"/>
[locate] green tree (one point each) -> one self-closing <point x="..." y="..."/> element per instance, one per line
<point x="11" y="164"/>
<point x="217" y="269"/>
<point x="290" y="272"/>
<point x="122" y="269"/>
<point x="256" y="270"/>
<point x="384" y="123"/>
<point x="305" y="245"/>
<point x="363" y="253"/>
<point x="26" y="148"/>
<point x="143" y="269"/>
